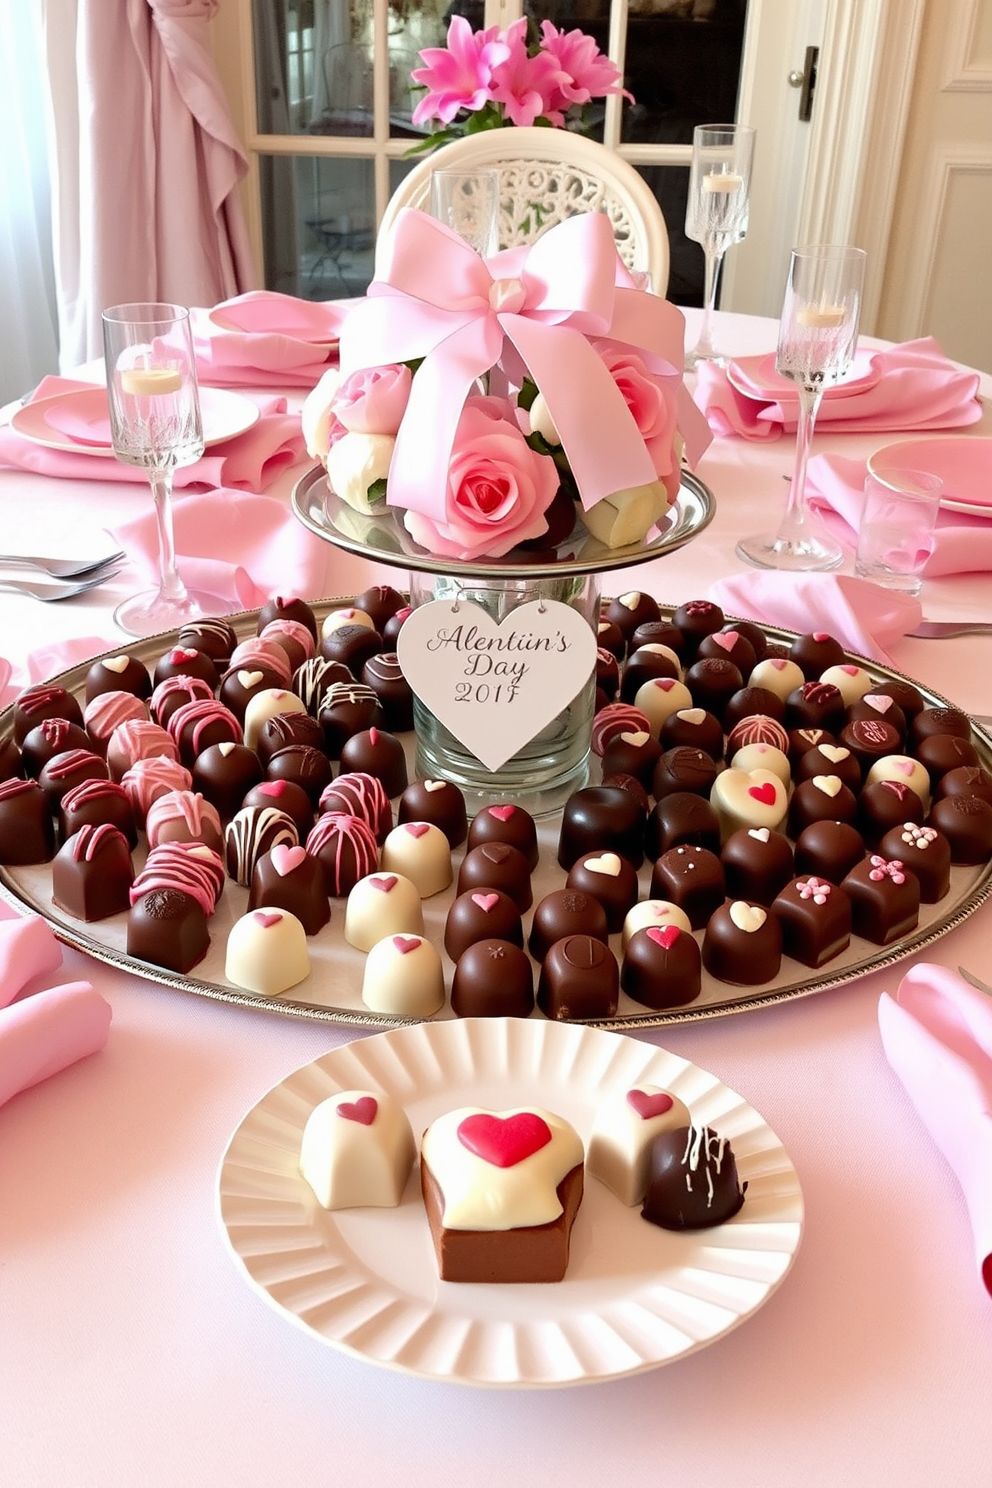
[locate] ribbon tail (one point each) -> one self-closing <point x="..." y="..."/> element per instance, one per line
<point x="598" y="432"/>
<point x="418" y="471"/>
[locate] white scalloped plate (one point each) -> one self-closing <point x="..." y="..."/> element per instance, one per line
<point x="635" y="1296"/>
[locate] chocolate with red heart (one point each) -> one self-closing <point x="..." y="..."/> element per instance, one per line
<point x="377" y="752"/>
<point x="288" y="877"/>
<point x="505" y="823"/>
<point x="815" y="651"/>
<point x="481" y="914"/>
<point x="496" y="865"/>
<point x="286" y="796"/>
<point x="185" y="661"/>
<point x="661" y="967"/>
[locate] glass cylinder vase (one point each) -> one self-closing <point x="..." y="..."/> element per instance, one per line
<point x="555" y="762"/>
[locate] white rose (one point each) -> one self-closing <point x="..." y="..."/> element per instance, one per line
<point x="317" y="417"/>
<point x="627" y="516"/>
<point x="541" y="421"/>
<point x="356" y="462"/>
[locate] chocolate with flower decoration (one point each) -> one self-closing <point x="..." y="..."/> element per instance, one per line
<point x="584" y="391"/>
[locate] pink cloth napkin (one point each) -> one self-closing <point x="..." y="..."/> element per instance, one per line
<point x="241" y="547"/>
<point x="913" y="387"/>
<point x="42" y="1032"/>
<point x="835" y="490"/>
<point x="937" y="1036"/>
<point x="46" y="662"/>
<point x="262" y="338"/>
<point x="864" y="617"/>
<point x="248" y="462"/>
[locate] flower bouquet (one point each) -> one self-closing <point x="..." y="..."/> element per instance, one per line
<point x="491" y="79"/>
<point x="496" y="401"/>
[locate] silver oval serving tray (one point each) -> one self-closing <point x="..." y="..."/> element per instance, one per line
<point x="332" y="991"/>
<point x="382" y="536"/>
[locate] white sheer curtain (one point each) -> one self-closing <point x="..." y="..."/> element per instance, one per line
<point x="146" y="163"/>
<point x="28" y="338"/>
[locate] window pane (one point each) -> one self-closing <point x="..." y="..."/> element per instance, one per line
<point x="319" y="225"/>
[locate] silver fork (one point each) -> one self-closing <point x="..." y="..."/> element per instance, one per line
<point x="937" y="630"/>
<point x="52" y="593"/>
<point x="59" y="568"/>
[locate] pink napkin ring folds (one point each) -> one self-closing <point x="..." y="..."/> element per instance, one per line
<point x="471" y="389"/>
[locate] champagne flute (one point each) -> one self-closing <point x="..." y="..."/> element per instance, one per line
<point x="817" y="336"/>
<point x="716" y="211"/>
<point x="467" y="201"/>
<point x="155" y="424"/>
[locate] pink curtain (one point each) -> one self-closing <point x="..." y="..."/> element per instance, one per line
<point x="146" y="163"/>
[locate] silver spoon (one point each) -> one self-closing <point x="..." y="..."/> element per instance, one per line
<point x="936" y="630"/>
<point x="51" y="594"/>
<point x="59" y="568"/>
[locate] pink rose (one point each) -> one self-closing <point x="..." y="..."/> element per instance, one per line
<point x="652" y="398"/>
<point x="373" y="400"/>
<point x="498" y="488"/>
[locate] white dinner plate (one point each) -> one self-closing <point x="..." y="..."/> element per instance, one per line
<point x="635" y="1296"/>
<point x="963" y="464"/>
<point x="755" y="377"/>
<point x="85" y="411"/>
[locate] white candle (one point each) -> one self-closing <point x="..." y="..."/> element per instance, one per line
<point x="149" y="382"/>
<point x="821" y="316"/>
<point x="724" y="181"/>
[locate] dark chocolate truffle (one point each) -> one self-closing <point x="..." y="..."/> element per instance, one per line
<point x="95" y="802"/>
<point x="693" y="728"/>
<point x="92" y="873"/>
<point x="601" y="818"/>
<point x="224" y="774"/>
<point x="496" y="865"/>
<point x="696" y="619"/>
<point x="742" y="944"/>
<point x="814" y="652"/>
<point x="630" y="610"/>
<point x="288" y="797"/>
<point x="823" y="798"/>
<point x="885" y="899"/>
<point x="885" y="804"/>
<point x="363" y="796"/>
<point x="347" y="849"/>
<point x="35" y="704"/>
<point x="27" y="830"/>
<point x="167" y="927"/>
<point x="377" y="752"/>
<point x="829" y="849"/>
<point x="216" y="637"/>
<point x="681" y="819"/>
<point x="118" y="674"/>
<point x="380" y="602"/>
<point x="509" y="824"/>
<point x="438" y="802"/>
<point x="684" y="769"/>
<point x="348" y="708"/>
<point x="252" y="831"/>
<point x="51" y="737"/>
<point x="757" y="862"/>
<point x="692" y="878"/>
<point x="924" y="850"/>
<point x="692" y="1180"/>
<point x="966" y="822"/>
<point x="493" y="979"/>
<point x="565" y="912"/>
<point x="288" y="608"/>
<point x="609" y="878"/>
<point x="290" y="878"/>
<point x="729" y="645"/>
<point x="307" y="767"/>
<point x="580" y="979"/>
<point x="481" y="914"/>
<point x="385" y="676"/>
<point x="815" y="916"/>
<point x="643" y="665"/>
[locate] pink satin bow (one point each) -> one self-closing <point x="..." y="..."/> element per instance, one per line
<point x="434" y="298"/>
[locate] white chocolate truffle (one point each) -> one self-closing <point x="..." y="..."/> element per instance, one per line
<point x="659" y="698"/>
<point x="382" y="904"/>
<point x="778" y="675"/>
<point x="764" y="757"/>
<point x="626" y="1124"/>
<point x="852" y="682"/>
<point x="267" y="952"/>
<point x="500" y="1170"/>
<point x="403" y="977"/>
<point x="357" y="1149"/>
<point x="906" y="770"/>
<point x="749" y="798"/>
<point x="657" y="912"/>
<point x="271" y="702"/>
<point x="421" y="852"/>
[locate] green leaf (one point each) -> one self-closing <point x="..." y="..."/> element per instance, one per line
<point x="376" y="492"/>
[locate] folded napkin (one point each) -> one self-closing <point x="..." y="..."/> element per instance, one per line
<point x="241" y="547"/>
<point x="248" y="461"/>
<point x="864" y="617"/>
<point x="42" y="1032"/>
<point x="262" y="339"/>
<point x="46" y="662"/>
<point x="937" y="1036"/>
<point x="912" y="387"/>
<point x="835" y="490"/>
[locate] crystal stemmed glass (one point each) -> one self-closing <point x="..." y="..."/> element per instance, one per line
<point x="468" y="202"/>
<point x="155" y="424"/>
<point x="716" y="210"/>
<point x="817" y="336"/>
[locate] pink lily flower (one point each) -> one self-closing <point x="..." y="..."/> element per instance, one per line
<point x="587" y="72"/>
<point x="526" y="85"/>
<point x="458" y="76"/>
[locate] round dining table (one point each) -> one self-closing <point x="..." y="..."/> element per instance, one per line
<point x="132" y="1351"/>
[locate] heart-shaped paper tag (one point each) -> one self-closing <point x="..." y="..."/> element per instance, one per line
<point x="363" y="1110"/>
<point x="504" y="1141"/>
<point x="496" y="685"/>
<point x="649" y="1103"/>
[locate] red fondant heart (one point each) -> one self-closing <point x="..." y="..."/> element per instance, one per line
<point x="665" y="683"/>
<point x="665" y="936"/>
<point x="504" y="1141"/>
<point x="486" y="902"/>
<point x="405" y="943"/>
<point x="265" y="920"/>
<point x="764" y="793"/>
<point x="647" y="1105"/>
<point x="363" y="1110"/>
<point x="273" y="788"/>
<point x="416" y="829"/>
<point x="502" y="813"/>
<point x="727" y="639"/>
<point x="383" y="882"/>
